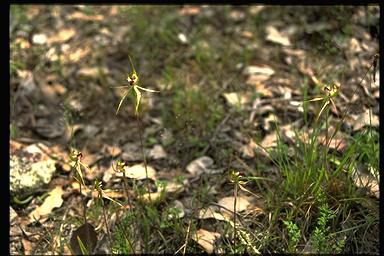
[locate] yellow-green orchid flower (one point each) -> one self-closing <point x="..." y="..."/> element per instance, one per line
<point x="101" y="194"/>
<point x="330" y="93"/>
<point x="75" y="156"/>
<point x="119" y="166"/>
<point x="133" y="83"/>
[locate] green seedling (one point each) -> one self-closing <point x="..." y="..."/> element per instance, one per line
<point x="293" y="234"/>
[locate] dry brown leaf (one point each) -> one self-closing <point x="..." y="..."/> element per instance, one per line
<point x="110" y="193"/>
<point x="52" y="89"/>
<point x="237" y="15"/>
<point x="14" y="146"/>
<point x="242" y="204"/>
<point x="365" y="119"/>
<point x="365" y="179"/>
<point x="138" y="172"/>
<point x="89" y="72"/>
<point x="259" y="69"/>
<point x="236" y="99"/>
<point x="157" y="152"/>
<point x="111" y="150"/>
<point x="255" y="9"/>
<point x="247" y="34"/>
<point x="261" y="88"/>
<point x="88" y="236"/>
<point x="206" y="239"/>
<point x="78" y="54"/>
<point x="12" y="214"/>
<point x="275" y="36"/>
<point x="131" y="152"/>
<point x="108" y="174"/>
<point x="210" y="212"/>
<point x="295" y="52"/>
<point x="187" y="11"/>
<point x="269" y="140"/>
<point x="181" y="210"/>
<point x="62" y="36"/>
<point x="269" y="120"/>
<point x="152" y="197"/>
<point x="247" y="151"/>
<point x="81" y="16"/>
<point x="317" y="26"/>
<point x="84" y="190"/>
<point x="337" y="142"/>
<point x="113" y="11"/>
<point x="354" y="45"/>
<point x="305" y="69"/>
<point x="200" y="165"/>
<point x="32" y="11"/>
<point x="28" y="249"/>
<point x="174" y="187"/>
<point x="27" y="83"/>
<point x="52" y="201"/>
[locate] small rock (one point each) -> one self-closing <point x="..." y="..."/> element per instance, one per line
<point x="39" y="39"/>
<point x="237" y="15"/>
<point x="157" y="152"/>
<point x="50" y="127"/>
<point x="111" y="150"/>
<point x="91" y="130"/>
<point x="30" y="169"/>
<point x="183" y="39"/>
<point x="27" y="84"/>
<point x="131" y="152"/>
<point x="275" y="36"/>
<point x="199" y="165"/>
<point x="108" y="174"/>
<point x="66" y="167"/>
<point x="138" y="172"/>
<point x="177" y="210"/>
<point x="12" y="214"/>
<point x="166" y="137"/>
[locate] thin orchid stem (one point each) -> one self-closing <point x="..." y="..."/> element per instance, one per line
<point x="143" y="153"/>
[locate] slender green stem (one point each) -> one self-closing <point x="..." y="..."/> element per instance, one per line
<point x="127" y="197"/>
<point x="234" y="206"/>
<point x="143" y="153"/>
<point x="106" y="226"/>
<point x="84" y="205"/>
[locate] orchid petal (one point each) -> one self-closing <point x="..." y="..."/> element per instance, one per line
<point x="145" y="89"/>
<point x="138" y="97"/>
<point x="321" y="111"/>
<point x="122" y="99"/>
